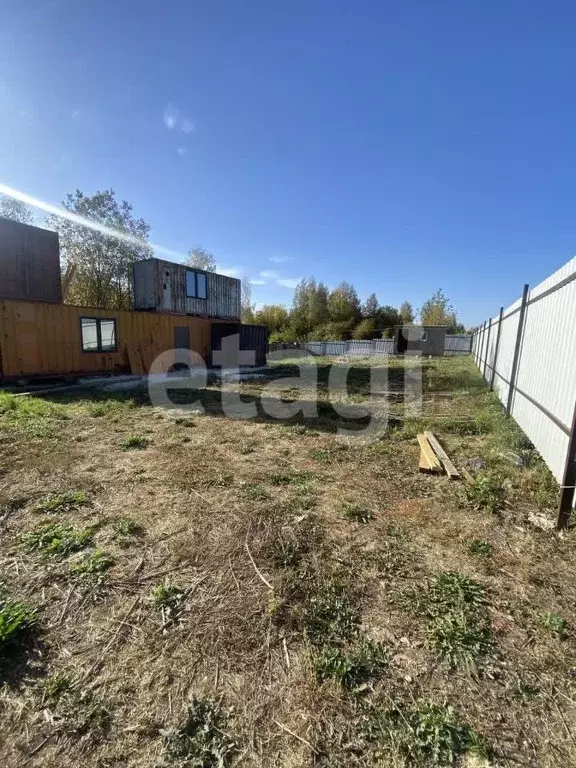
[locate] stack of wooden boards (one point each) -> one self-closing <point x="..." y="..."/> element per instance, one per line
<point x="433" y="458"/>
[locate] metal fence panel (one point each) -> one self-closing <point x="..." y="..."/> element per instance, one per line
<point x="457" y="344"/>
<point x="544" y="390"/>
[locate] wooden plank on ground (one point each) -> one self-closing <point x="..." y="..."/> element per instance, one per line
<point x="449" y="467"/>
<point x="432" y="460"/>
<point x="423" y="465"/>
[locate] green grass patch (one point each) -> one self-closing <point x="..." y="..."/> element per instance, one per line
<point x="56" y="539"/>
<point x="426" y="735"/>
<point x="480" y="547"/>
<point x="255" y="491"/>
<point x="169" y="598"/>
<point x="203" y="740"/>
<point x="68" y="501"/>
<point x="289" y="478"/>
<point x="458" y="626"/>
<point x="357" y="512"/>
<point x="355" y="666"/>
<point x="553" y="622"/>
<point x="134" y="443"/>
<point x="487" y="493"/>
<point x="95" y="562"/>
<point x="56" y="686"/>
<point x="16" y="621"/>
<point x="126" y="531"/>
<point x="221" y="480"/>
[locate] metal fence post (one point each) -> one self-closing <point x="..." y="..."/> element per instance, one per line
<point x="496" y="348"/>
<point x="487" y="346"/>
<point x="568" y="480"/>
<point x="517" y="349"/>
<point x="482" y="343"/>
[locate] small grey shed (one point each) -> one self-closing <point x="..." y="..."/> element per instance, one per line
<point x="419" y="339"/>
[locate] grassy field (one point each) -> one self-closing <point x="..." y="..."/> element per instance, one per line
<point x="182" y="589"/>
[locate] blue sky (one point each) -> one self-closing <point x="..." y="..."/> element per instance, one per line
<point x="402" y="146"/>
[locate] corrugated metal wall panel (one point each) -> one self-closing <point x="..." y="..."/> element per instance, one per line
<point x="161" y="285"/>
<point x="37" y="338"/>
<point x="457" y="344"/>
<point x="29" y="263"/>
<point x="545" y="387"/>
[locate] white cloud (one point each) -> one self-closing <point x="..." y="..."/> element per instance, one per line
<point x="280" y="259"/>
<point x="75" y="114"/>
<point x="229" y="271"/>
<point x="288" y="282"/>
<point x="182" y="151"/>
<point x="256" y="281"/>
<point x="173" y="118"/>
<point x="170" y="116"/>
<point x="269" y="273"/>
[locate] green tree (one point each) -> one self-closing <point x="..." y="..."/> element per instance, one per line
<point x="201" y="258"/>
<point x="317" y="304"/>
<point x="386" y="318"/>
<point x="370" y="307"/>
<point x="366" y="329"/>
<point x="439" y="311"/>
<point x="103" y="275"/>
<point x="406" y="313"/>
<point x="332" y="331"/>
<point x="300" y="313"/>
<point x="344" y="304"/>
<point x="275" y="317"/>
<point x="15" y="210"/>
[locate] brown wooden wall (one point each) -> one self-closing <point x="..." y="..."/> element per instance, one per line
<point x="29" y="263"/>
<point x="41" y="339"/>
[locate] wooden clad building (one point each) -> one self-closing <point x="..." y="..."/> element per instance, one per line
<point x="41" y="337"/>
<point x="38" y="339"/>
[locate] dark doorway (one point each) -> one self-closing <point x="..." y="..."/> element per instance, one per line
<point x="218" y="331"/>
<point x="181" y="337"/>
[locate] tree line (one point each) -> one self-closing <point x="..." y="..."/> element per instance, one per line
<point x="103" y="263"/>
<point x="321" y="314"/>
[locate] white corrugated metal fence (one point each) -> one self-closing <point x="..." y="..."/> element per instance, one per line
<point x="526" y="353"/>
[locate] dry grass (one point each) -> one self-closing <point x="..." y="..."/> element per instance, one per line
<point x="224" y="573"/>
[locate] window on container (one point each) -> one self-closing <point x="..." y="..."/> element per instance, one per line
<point x="190" y="284"/>
<point x="98" y="334"/>
<point x="201" y="285"/>
<point x="196" y="285"/>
